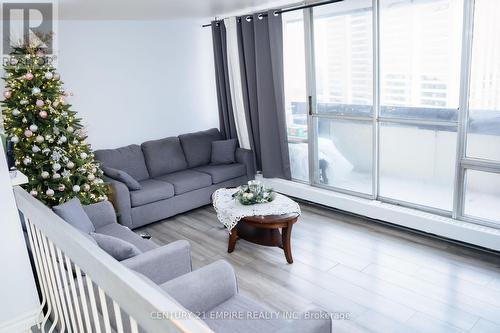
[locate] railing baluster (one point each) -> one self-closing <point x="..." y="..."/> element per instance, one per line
<point x="133" y="325"/>
<point x="37" y="261"/>
<point x="90" y="288"/>
<point x="118" y="317"/>
<point x="83" y="298"/>
<point x="65" y="324"/>
<point x="69" y="303"/>
<point x="50" y="280"/>
<point x="76" y="301"/>
<point x="104" y="309"/>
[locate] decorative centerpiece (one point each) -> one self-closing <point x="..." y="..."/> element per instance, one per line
<point x="254" y="193"/>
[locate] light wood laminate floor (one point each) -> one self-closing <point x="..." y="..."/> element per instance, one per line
<point x="387" y="279"/>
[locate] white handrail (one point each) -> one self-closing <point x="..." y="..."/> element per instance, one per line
<point x="129" y="292"/>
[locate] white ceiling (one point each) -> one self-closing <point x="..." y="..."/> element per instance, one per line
<point x="160" y="9"/>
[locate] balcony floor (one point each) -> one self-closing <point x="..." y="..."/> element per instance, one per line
<point x="386" y="279"/>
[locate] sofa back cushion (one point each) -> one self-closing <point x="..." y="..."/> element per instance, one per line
<point x="164" y="156"/>
<point x="129" y="159"/>
<point x="198" y="146"/>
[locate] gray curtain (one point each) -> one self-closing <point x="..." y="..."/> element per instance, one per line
<point x="260" y="43"/>
<point x="227" y="125"/>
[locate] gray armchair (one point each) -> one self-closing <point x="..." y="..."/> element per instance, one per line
<point x="212" y="291"/>
<point x="159" y="264"/>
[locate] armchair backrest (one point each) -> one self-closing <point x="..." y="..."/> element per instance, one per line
<point x="101" y="213"/>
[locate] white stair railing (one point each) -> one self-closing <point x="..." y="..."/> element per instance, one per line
<point x="83" y="289"/>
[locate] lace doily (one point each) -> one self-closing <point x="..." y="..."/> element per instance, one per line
<point x="230" y="211"/>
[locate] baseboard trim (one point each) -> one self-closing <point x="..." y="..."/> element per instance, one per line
<point x="412" y="219"/>
<point x="22" y="323"/>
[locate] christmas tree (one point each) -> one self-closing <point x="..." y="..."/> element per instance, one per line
<point x="49" y="140"/>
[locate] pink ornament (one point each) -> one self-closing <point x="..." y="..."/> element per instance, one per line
<point x="39" y="103"/>
<point x="43" y="114"/>
<point x="7" y="94"/>
<point x="29" y="76"/>
<point x="28" y="133"/>
<point x="40" y="53"/>
<point x="61" y="188"/>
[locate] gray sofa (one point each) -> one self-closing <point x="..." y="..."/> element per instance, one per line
<point x="175" y="175"/>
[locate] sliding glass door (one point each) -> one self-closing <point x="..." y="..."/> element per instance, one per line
<point x="398" y="101"/>
<point x="342" y="96"/>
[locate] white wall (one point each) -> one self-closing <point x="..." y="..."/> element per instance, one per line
<point x="138" y="80"/>
<point x="18" y="298"/>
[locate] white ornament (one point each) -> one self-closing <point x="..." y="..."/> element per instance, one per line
<point x="39" y="139"/>
<point x="63" y="139"/>
<point x="45" y="174"/>
<point x="49" y="75"/>
<point x="56" y="176"/>
<point x="16" y="112"/>
<point x="61" y="188"/>
<point x="46" y="151"/>
<point x="76" y="188"/>
<point x="24" y="120"/>
<point x="70" y="165"/>
<point x="34" y="193"/>
<point x="70" y="129"/>
<point x="35" y="149"/>
<point x="86" y="187"/>
<point x="23" y="102"/>
<point x="27" y="161"/>
<point x="56" y="166"/>
<point x="56" y="130"/>
<point x="49" y="192"/>
<point x="56" y="156"/>
<point x="35" y="91"/>
<point x="14" y="139"/>
<point x="66" y="173"/>
<point x="33" y="128"/>
<point x="91" y="177"/>
<point x="13" y="61"/>
<point x="83" y="156"/>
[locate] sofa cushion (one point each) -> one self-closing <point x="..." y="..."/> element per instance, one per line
<point x="198" y="146"/>
<point x="129" y="159"/>
<point x="124" y="233"/>
<point x="223" y="172"/>
<point x="73" y="213"/>
<point x="223" y="151"/>
<point x="116" y="247"/>
<point x="248" y="307"/>
<point x="151" y="191"/>
<point x="187" y="180"/>
<point x="164" y="156"/>
<point x="123" y="177"/>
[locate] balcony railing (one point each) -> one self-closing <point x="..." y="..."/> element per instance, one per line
<point x="83" y="289"/>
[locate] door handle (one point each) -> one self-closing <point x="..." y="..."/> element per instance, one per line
<point x="309" y="105"/>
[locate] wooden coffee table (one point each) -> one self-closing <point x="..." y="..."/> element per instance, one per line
<point x="265" y="230"/>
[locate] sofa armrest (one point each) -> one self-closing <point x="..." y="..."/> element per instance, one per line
<point x="314" y="321"/>
<point x="120" y="197"/>
<point x="245" y="156"/>
<point x="101" y="213"/>
<point x="205" y="288"/>
<point x="163" y="263"/>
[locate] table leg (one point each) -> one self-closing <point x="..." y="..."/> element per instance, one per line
<point x="233" y="237"/>
<point x="286" y="235"/>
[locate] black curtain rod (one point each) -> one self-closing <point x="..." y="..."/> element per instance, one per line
<point x="281" y="11"/>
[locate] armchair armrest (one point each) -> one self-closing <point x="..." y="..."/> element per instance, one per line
<point x="101" y="213"/>
<point x="120" y="197"/>
<point x="314" y="321"/>
<point x="163" y="263"/>
<point x="245" y="156"/>
<point x="204" y="288"/>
